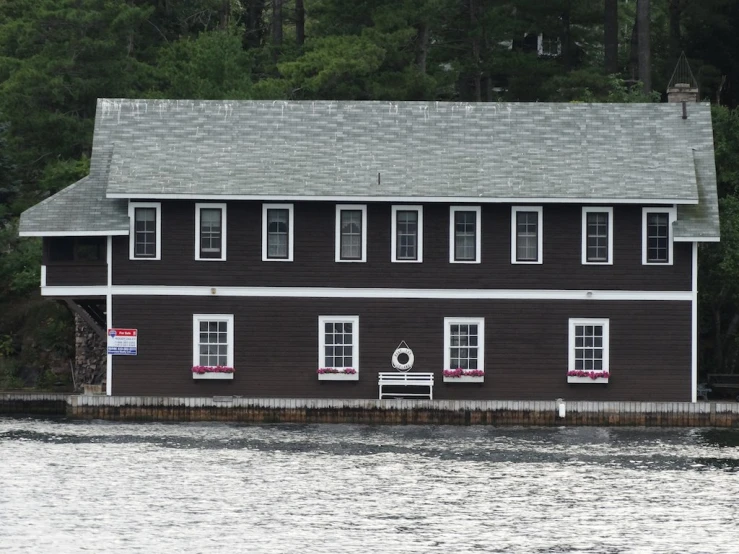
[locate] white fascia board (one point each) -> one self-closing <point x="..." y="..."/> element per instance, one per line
<point x="329" y="292"/>
<point x="72" y="233"/>
<point x="429" y="199"/>
<point x="697" y="239"/>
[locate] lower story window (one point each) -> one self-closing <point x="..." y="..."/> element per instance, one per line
<point x="464" y="344"/>
<point x="338" y="345"/>
<point x="588" y="349"/>
<point x="213" y="344"/>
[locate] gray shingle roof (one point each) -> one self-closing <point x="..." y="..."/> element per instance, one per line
<point x="488" y="152"/>
<point x="80" y="208"/>
<point x="420" y="149"/>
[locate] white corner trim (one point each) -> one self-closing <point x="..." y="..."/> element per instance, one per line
<point x="72" y="233"/>
<point x="539" y="234"/>
<point x="354" y="320"/>
<point x="290" y="231"/>
<point x="605" y="323"/>
<point x="196" y="319"/>
<point x="213" y="206"/>
<point x="394" y="233"/>
<point x="480" y="322"/>
<point x="694" y="326"/>
<point x="671" y="219"/>
<point x="337" y="239"/>
<point x="43" y="276"/>
<point x="585" y="212"/>
<point x="109" y="314"/>
<point x="410" y="199"/>
<point x="478" y="234"/>
<point x="132" y="230"/>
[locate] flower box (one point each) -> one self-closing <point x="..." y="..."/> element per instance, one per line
<point x="212" y="372"/>
<point x="337" y="374"/>
<point x="460" y="375"/>
<point x="581" y="376"/>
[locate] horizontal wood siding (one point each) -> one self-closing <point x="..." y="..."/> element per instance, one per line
<point x="314" y="263"/>
<point x="276" y="347"/>
<point x="76" y="274"/>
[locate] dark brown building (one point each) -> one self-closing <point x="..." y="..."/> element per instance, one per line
<point x="287" y="249"/>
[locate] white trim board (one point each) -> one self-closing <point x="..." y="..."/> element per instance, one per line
<point x="329" y="292"/>
<point x="697" y="239"/>
<point x="420" y="198"/>
<point x="72" y="233"/>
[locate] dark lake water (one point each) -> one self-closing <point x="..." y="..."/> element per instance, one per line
<point x="111" y="487"/>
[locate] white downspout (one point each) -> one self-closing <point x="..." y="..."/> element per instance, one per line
<point x="694" y="341"/>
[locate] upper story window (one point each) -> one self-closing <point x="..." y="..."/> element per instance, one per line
<point x="657" y="235"/>
<point x="526" y="235"/>
<point x="407" y="234"/>
<point x="351" y="233"/>
<point x="597" y="236"/>
<point x="145" y="237"/>
<point x="210" y="232"/>
<point x="277" y="232"/>
<point x="464" y="234"/>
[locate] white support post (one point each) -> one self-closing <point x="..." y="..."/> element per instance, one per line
<point x="109" y="316"/>
<point x="694" y="338"/>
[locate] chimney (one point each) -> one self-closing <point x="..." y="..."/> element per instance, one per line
<point x="682" y="87"/>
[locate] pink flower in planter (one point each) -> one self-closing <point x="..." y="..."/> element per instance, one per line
<point x="200" y="369"/>
<point x="459" y="372"/>
<point x="592" y="374"/>
<point x="345" y="370"/>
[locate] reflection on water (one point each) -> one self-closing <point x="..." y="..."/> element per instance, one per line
<point x="109" y="487"/>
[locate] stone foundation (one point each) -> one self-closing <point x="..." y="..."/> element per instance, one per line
<point x="89" y="355"/>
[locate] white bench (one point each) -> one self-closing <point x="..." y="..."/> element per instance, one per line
<point x="407" y="380"/>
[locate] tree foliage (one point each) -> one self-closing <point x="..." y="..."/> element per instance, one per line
<point x="58" y="56"/>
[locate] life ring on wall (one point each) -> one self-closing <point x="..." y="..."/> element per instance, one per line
<point x="397" y="364"/>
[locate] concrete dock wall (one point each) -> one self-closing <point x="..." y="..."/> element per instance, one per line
<point x="398" y="412"/>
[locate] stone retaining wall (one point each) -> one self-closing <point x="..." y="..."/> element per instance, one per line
<point x="398" y="412"/>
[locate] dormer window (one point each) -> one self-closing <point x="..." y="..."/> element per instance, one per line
<point x="210" y="232"/>
<point x="145" y="240"/>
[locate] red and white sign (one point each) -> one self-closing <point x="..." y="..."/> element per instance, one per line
<point x="122" y="342"/>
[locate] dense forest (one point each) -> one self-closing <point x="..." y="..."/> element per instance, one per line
<point x="58" y="56"/>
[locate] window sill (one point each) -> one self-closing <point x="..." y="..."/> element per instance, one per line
<point x="338" y="376"/>
<point x="464" y="379"/>
<point x="213" y="375"/>
<point x="601" y="380"/>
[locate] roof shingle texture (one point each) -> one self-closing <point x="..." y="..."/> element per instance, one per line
<point x="557" y="152"/>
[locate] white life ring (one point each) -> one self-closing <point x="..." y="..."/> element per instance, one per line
<point x="396" y="362"/>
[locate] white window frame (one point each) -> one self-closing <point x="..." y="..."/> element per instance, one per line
<point x="337" y="237"/>
<point x="478" y="234"/>
<point x="480" y="322"/>
<point x="539" y="233"/>
<point x="290" y="231"/>
<point x="589" y="210"/>
<point x="394" y="234"/>
<point x="354" y="320"/>
<point x="602" y="322"/>
<point x="132" y="206"/>
<point x="199" y="206"/>
<point x="671" y="218"/>
<point x="196" y="320"/>
<point x="540" y="47"/>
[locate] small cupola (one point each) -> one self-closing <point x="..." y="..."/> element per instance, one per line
<point x="682" y="87"/>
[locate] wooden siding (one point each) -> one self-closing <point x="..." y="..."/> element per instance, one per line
<point x="276" y="347"/>
<point x="76" y="274"/>
<point x="314" y="263"/>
